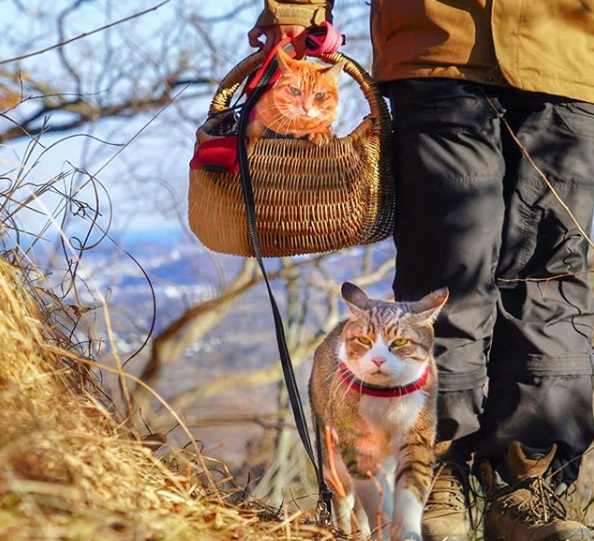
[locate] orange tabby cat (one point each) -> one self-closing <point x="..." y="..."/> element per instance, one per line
<point x="301" y="103"/>
<point x="374" y="387"/>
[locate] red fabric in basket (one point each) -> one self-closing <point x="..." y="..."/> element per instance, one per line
<point x="219" y="153"/>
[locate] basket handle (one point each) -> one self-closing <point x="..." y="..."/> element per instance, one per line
<point x="233" y="80"/>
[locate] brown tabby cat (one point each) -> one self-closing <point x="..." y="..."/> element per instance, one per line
<point x="373" y="383"/>
<point x="301" y="103"/>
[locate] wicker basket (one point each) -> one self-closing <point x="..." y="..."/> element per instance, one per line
<point x="308" y="198"/>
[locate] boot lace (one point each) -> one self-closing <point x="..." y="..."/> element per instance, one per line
<point x="532" y="500"/>
<point x="450" y="489"/>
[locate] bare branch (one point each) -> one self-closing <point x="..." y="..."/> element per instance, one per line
<point x="84" y="35"/>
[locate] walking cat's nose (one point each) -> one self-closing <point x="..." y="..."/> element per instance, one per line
<point x="378" y="361"/>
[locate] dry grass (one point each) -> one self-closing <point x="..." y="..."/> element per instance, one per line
<point x="69" y="470"/>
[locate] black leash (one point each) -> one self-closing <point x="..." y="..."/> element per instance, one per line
<point x="325" y="495"/>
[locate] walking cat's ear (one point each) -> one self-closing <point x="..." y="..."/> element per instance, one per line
<point x="355" y="298"/>
<point x="427" y="309"/>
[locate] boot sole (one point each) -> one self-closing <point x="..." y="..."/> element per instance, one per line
<point x="571" y="536"/>
<point x="448" y="537"/>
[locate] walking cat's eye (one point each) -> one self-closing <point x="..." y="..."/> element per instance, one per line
<point x="295" y="91"/>
<point x="399" y="342"/>
<point x="320" y="96"/>
<point x="364" y="340"/>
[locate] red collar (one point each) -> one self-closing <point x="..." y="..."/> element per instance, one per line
<point x="383" y="392"/>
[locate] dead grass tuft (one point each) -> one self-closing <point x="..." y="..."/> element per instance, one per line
<point x="71" y="470"/>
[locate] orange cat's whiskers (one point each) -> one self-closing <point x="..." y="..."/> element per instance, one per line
<point x="282" y="123"/>
<point x="288" y="123"/>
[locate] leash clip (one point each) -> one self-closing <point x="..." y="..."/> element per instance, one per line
<point x="324" y="507"/>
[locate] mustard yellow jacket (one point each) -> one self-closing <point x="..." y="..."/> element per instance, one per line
<point x="536" y="45"/>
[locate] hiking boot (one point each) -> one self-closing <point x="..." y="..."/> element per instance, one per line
<point x="521" y="506"/>
<point x="446" y="515"/>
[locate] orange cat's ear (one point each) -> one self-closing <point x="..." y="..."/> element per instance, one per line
<point x="284" y="61"/>
<point x="334" y="71"/>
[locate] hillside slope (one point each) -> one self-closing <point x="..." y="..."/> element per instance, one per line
<point x="71" y="470"/>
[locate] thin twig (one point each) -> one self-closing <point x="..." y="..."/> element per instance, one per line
<point x="333" y="477"/>
<point x="378" y="512"/>
<point x="545" y="279"/>
<point x="84" y="35"/>
<point x="539" y="172"/>
<point x="119" y="373"/>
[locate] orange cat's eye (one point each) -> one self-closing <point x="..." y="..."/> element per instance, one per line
<point x="364" y="340"/>
<point x="320" y="95"/>
<point x="295" y="91"/>
<point x="399" y="342"/>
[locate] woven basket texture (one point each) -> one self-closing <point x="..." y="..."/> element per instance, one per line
<point x="308" y="198"/>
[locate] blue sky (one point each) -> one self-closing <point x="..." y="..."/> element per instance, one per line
<point x="146" y="181"/>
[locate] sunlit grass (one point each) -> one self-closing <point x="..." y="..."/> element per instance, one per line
<point x="70" y="468"/>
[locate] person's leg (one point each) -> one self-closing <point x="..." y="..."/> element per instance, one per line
<point x="540" y="364"/>
<point x="449" y="172"/>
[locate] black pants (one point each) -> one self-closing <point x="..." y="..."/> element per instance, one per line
<point x="474" y="215"/>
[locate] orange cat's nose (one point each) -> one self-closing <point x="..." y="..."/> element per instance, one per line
<point x="378" y="361"/>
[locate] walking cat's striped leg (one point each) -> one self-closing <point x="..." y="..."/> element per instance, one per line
<point x="411" y="489"/>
